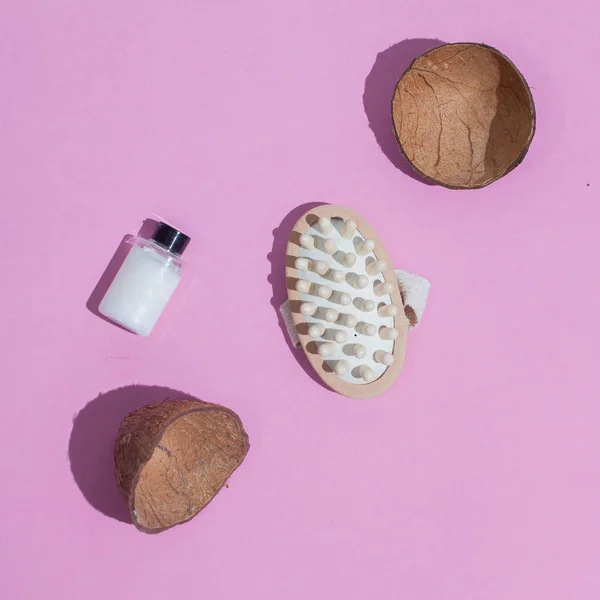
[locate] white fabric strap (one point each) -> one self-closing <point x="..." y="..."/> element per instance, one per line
<point x="413" y="288"/>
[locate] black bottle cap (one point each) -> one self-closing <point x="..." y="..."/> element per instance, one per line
<point x="170" y="238"/>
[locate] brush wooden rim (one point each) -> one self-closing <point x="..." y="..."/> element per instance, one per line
<point x="366" y="390"/>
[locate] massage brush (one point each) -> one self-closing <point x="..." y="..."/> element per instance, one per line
<point x="345" y="302"/>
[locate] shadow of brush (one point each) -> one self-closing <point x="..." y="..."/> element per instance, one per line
<point x="277" y="279"/>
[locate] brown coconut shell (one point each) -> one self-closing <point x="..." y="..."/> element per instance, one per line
<point x="172" y="458"/>
<point x="464" y="115"/>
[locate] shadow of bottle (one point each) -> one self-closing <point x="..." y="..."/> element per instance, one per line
<point x="92" y="439"/>
<point x="380" y="86"/>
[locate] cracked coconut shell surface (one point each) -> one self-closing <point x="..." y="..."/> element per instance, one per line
<point x="464" y="115"/>
<point x="172" y="457"/>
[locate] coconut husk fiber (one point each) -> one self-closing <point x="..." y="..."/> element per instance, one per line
<point x="173" y="457"/>
<point x="463" y="115"/>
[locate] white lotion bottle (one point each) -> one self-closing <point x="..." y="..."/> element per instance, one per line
<point x="146" y="280"/>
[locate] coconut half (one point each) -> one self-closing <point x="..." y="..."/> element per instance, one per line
<point x="173" y="457"/>
<point x="464" y="115"/>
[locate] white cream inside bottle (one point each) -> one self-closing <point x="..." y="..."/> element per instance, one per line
<point x="146" y="280"/>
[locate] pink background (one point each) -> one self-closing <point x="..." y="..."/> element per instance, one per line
<point x="475" y="477"/>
